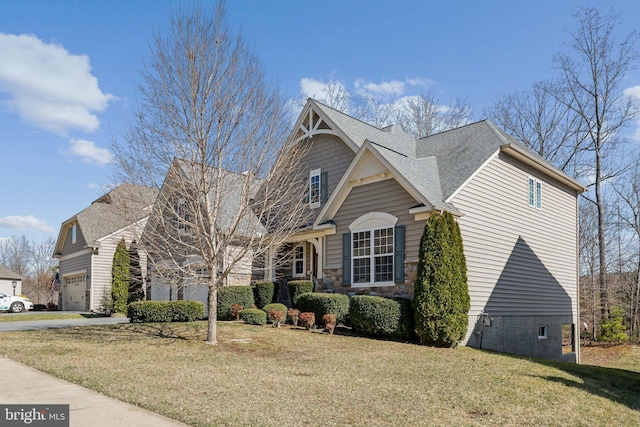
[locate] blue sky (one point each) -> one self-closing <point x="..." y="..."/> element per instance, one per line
<point x="69" y="69"/>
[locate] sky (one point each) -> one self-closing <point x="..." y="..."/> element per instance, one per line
<point x="69" y="72"/>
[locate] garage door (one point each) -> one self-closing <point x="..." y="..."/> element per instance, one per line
<point x="73" y="293"/>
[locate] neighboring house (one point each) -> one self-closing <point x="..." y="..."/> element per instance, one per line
<point x="87" y="242"/>
<point x="7" y="277"/>
<point x="184" y="276"/>
<point x="371" y="191"/>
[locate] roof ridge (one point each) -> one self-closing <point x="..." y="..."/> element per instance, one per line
<point x="348" y="115"/>
<point x="390" y="149"/>
<point x="453" y="129"/>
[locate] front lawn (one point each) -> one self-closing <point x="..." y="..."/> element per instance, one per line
<point x="278" y="376"/>
<point x="35" y="315"/>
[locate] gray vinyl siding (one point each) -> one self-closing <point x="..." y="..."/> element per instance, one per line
<point x="78" y="263"/>
<point x="520" y="260"/>
<point x="383" y="196"/>
<point x="70" y="247"/>
<point x="330" y="154"/>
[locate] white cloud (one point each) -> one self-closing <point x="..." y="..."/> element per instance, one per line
<point x="28" y="222"/>
<point x="391" y="88"/>
<point x="312" y="88"/>
<point x="89" y="152"/>
<point x="48" y="86"/>
<point x="420" y="82"/>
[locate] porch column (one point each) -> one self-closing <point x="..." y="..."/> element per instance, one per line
<point x="318" y="243"/>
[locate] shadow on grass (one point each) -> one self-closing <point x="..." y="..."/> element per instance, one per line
<point x="617" y="385"/>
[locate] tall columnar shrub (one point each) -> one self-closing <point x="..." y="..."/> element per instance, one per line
<point x="264" y="293"/>
<point x="297" y="288"/>
<point x="441" y="296"/>
<point x="321" y="304"/>
<point x="228" y="295"/>
<point x="120" y="271"/>
<point x="136" y="291"/>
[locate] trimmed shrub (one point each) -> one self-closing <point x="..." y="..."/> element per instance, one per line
<point x="228" y="295"/>
<point x="276" y="306"/>
<point x="293" y="314"/>
<point x="235" y="311"/>
<point x="276" y="317"/>
<point x="120" y="271"/>
<point x="253" y="316"/>
<point x="382" y="317"/>
<point x="441" y="295"/>
<point x="307" y="320"/>
<point x="264" y="293"/>
<point x="321" y="304"/>
<point x="329" y="321"/>
<point x="52" y="306"/>
<point x="297" y="288"/>
<point x="39" y="307"/>
<point x="165" y="311"/>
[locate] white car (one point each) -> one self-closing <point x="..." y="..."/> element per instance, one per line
<point x="14" y="304"/>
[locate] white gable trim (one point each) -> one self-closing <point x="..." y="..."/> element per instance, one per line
<point x="310" y="128"/>
<point x="472" y="176"/>
<point x="372" y="220"/>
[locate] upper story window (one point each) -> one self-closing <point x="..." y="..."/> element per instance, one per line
<point x="535" y="193"/>
<point x="74" y="233"/>
<point x="182" y="219"/>
<point x="298" y="261"/>
<point x="314" y="188"/>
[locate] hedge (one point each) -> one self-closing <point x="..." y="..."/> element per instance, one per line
<point x="265" y="293"/>
<point x="322" y="304"/>
<point x="228" y="295"/>
<point x="253" y="316"/>
<point x="297" y="288"/>
<point x="276" y="306"/>
<point x="165" y="311"/>
<point x="382" y="317"/>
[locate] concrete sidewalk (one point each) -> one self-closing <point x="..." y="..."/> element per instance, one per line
<point x="25" y="385"/>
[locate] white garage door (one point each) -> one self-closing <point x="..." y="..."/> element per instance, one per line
<point x="73" y="293"/>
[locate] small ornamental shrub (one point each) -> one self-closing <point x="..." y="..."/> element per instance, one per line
<point x="51" y="306"/>
<point x="165" y="311"/>
<point x="264" y="293"/>
<point x="381" y="317"/>
<point x="276" y="317"/>
<point x="235" y="311"/>
<point x="329" y="321"/>
<point x="276" y="306"/>
<point x="322" y="304"/>
<point x="307" y="320"/>
<point x="254" y="316"/>
<point x="297" y="288"/>
<point x="39" y="307"/>
<point x="293" y="314"/>
<point x="228" y="295"/>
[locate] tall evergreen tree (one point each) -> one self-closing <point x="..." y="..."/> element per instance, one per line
<point x="441" y="295"/>
<point x="136" y="291"/>
<point x="120" y="272"/>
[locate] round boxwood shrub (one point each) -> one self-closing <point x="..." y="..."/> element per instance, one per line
<point x="321" y="304"/>
<point x="228" y="295"/>
<point x="264" y="293"/>
<point x="276" y="306"/>
<point x="253" y="316"/>
<point x="297" y="288"/>
<point x="165" y="311"/>
<point x="381" y="317"/>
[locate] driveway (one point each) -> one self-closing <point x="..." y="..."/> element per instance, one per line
<point x="33" y="325"/>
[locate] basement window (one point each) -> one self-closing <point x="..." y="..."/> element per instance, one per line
<point x="542" y="332"/>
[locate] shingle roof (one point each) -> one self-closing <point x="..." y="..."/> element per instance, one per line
<point x="5" y="273"/>
<point x="115" y="210"/>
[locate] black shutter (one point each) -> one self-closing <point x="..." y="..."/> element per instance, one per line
<point x="346" y="259"/>
<point x="398" y="254"/>
<point x="324" y="186"/>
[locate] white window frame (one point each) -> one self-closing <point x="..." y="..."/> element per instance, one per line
<point x="372" y="222"/>
<point x="74" y="234"/>
<point x="182" y="217"/>
<point x="543" y="331"/>
<point x="315" y="185"/>
<point x="535" y="193"/>
<point x="296" y="260"/>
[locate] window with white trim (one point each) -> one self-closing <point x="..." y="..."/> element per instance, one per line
<point x="74" y="233"/>
<point x="298" y="261"/>
<point x="182" y="218"/>
<point x="535" y="193"/>
<point x="314" y="188"/>
<point x="373" y="256"/>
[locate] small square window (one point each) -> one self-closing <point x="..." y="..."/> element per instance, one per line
<point x="542" y="332"/>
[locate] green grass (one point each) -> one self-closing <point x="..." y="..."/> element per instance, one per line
<point x="279" y="376"/>
<point x="22" y="317"/>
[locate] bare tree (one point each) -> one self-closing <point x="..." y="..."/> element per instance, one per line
<point x="43" y="271"/>
<point x="214" y="126"/>
<point x="425" y="115"/>
<point x="590" y="81"/>
<point x="332" y="93"/>
<point x="15" y="254"/>
<point x="543" y="122"/>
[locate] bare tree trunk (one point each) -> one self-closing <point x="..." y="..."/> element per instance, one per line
<point x="212" y="325"/>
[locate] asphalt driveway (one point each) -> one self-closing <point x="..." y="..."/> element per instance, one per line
<point x="33" y="325"/>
